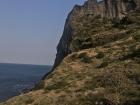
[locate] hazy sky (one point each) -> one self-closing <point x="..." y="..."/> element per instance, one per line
<point x="30" y="29"/>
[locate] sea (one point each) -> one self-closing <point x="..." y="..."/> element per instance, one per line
<point x="14" y="78"/>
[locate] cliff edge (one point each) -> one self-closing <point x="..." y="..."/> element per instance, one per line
<point x="97" y="61"/>
<point x="111" y="9"/>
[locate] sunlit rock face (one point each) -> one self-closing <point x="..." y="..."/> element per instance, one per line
<point x="118" y="8"/>
<point x="111" y="8"/>
<point x="104" y="8"/>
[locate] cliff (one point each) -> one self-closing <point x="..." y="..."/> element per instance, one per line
<point x="105" y="9"/>
<point x="98" y="58"/>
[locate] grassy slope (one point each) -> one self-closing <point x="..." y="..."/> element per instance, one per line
<point x="104" y="68"/>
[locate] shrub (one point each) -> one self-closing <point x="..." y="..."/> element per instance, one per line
<point x="118" y="24"/>
<point x="102" y="65"/>
<point x="76" y="44"/>
<point x="100" y="55"/>
<point x="81" y="55"/>
<point x="125" y="21"/>
<point x="137" y="36"/>
<point x="86" y="59"/>
<point x="39" y="86"/>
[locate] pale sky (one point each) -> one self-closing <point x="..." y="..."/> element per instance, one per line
<point x="30" y="29"/>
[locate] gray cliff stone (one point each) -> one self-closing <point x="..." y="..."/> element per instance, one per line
<point x="105" y="8"/>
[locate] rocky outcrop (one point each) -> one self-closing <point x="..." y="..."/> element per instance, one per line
<point x="118" y="8"/>
<point x="105" y="8"/>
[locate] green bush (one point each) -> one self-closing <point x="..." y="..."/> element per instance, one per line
<point x="39" y="86"/>
<point x="120" y="24"/>
<point x="81" y="55"/>
<point x="137" y="36"/>
<point x="100" y="55"/>
<point x="102" y="65"/>
<point x="86" y="59"/>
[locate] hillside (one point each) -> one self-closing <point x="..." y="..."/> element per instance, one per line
<point x="98" y="58"/>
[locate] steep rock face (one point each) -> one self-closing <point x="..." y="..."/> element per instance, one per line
<point x="105" y="8"/>
<point x="118" y="8"/>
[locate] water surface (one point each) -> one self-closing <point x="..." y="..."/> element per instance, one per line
<point x="16" y="77"/>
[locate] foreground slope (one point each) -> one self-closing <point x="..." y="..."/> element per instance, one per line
<point x="98" y="65"/>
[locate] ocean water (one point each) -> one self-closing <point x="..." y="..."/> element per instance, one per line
<point x="16" y="77"/>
